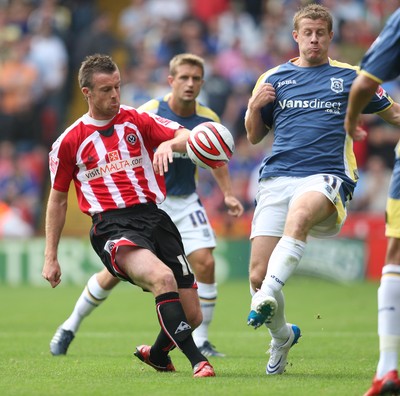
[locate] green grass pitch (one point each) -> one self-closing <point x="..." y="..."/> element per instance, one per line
<point x="337" y="354"/>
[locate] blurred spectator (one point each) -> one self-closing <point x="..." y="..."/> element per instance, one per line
<point x="381" y="140"/>
<point x="172" y="11"/>
<point x="12" y="225"/>
<point x="134" y="22"/>
<point x="217" y="88"/>
<point x="8" y="33"/>
<point x="237" y="29"/>
<point x="97" y="38"/>
<point x="18" y="13"/>
<point x="137" y="87"/>
<point x="51" y="12"/>
<point x="372" y="187"/>
<point x="22" y="180"/>
<point x="19" y="121"/>
<point x="49" y="54"/>
<point x="208" y="10"/>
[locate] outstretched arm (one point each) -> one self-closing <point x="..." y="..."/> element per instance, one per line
<point x="55" y="220"/>
<point x="164" y="153"/>
<point x="221" y="175"/>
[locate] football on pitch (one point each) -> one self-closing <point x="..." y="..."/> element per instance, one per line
<point x="210" y="145"/>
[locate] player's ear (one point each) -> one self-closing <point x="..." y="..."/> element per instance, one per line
<point x="85" y="92"/>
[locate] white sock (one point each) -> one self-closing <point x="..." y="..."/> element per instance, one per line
<point x="208" y="297"/>
<point x="389" y="319"/>
<point x="92" y="296"/>
<point x="282" y="263"/>
<point x="277" y="325"/>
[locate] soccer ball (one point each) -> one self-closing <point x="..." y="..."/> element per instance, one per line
<point x="210" y="145"/>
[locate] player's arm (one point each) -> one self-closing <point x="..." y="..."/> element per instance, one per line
<point x="392" y="114"/>
<point x="361" y="92"/>
<point x="255" y="126"/>
<point x="221" y="175"/>
<point x="164" y="153"/>
<point x="55" y="220"/>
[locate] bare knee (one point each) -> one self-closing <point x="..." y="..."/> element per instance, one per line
<point x="195" y="319"/>
<point x="256" y="280"/>
<point x="203" y="265"/>
<point x="163" y="281"/>
<point x="258" y="270"/>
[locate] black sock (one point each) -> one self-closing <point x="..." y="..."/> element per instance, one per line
<point x="173" y="321"/>
<point x="160" y="349"/>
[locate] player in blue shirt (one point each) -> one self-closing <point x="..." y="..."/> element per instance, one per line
<point x="382" y="63"/>
<point x="309" y="177"/>
<point x="183" y="206"/>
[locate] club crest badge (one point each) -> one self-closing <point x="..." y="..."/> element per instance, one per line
<point x="131" y="139"/>
<point x="337" y="84"/>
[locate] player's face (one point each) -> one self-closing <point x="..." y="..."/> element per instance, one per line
<point x="104" y="97"/>
<point x="187" y="83"/>
<point x="313" y="39"/>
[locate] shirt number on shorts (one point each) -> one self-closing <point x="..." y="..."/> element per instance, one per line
<point x="198" y="218"/>
<point x="185" y="265"/>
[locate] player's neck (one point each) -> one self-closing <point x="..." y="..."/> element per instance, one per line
<point x="302" y="62"/>
<point x="182" y="108"/>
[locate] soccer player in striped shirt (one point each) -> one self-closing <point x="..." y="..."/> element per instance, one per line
<point x="117" y="157"/>
<point x="183" y="205"/>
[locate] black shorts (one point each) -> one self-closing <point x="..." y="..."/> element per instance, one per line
<point x="145" y="226"/>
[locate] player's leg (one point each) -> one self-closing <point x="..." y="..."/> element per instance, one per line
<point x="315" y="205"/>
<point x="261" y="250"/>
<point x="386" y="377"/>
<point x="96" y="291"/>
<point x="307" y="208"/>
<point x="203" y="265"/>
<point x="198" y="239"/>
<point x="150" y="273"/>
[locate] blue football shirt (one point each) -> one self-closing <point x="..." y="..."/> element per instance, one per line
<point x="382" y="61"/>
<point x="307" y="117"/>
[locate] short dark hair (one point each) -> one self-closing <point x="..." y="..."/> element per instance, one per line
<point x="97" y="63"/>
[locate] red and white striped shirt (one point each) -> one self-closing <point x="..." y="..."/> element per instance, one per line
<point x="111" y="162"/>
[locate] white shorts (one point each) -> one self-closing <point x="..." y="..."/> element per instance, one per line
<point x="191" y="219"/>
<point x="276" y="194"/>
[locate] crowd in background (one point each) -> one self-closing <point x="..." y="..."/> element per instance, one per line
<point x="42" y="43"/>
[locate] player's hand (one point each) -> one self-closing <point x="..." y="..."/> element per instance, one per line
<point x="52" y="272"/>
<point x="359" y="134"/>
<point x="235" y="208"/>
<point x="354" y="128"/>
<point x="162" y="157"/>
<point x="262" y="96"/>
